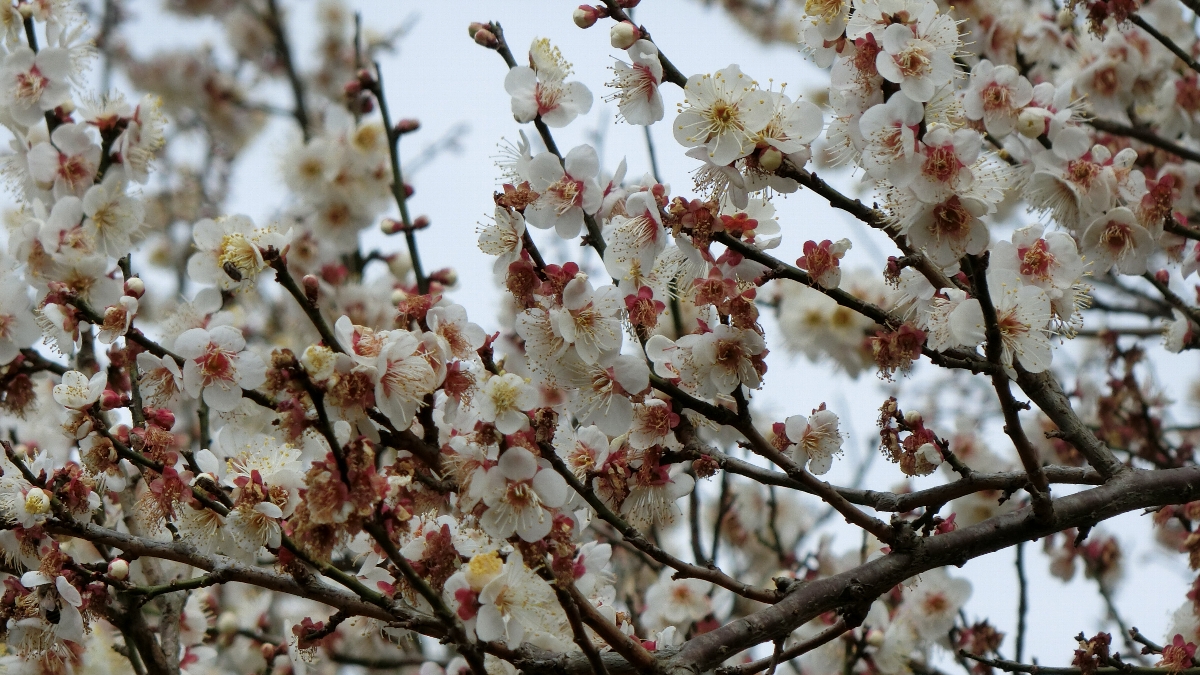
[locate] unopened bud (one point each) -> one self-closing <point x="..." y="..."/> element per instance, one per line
<point x="770" y="159"/>
<point x="391" y="226"/>
<point x="110" y="400"/>
<point x="485" y="38"/>
<point x="912" y="418"/>
<point x="398" y="296"/>
<point x="268" y="651"/>
<point x="623" y="35"/>
<point x="446" y="276"/>
<point x="118" y="569"/>
<point x="875" y="637"/>
<point x="585" y="16"/>
<point x="408" y="190"/>
<point x="159" y="417"/>
<point x="407" y="126"/>
<point x="474" y="27"/>
<point x="135" y="287"/>
<point x="227" y="623"/>
<point x="366" y="80"/>
<point x="1031" y="122"/>
<point x="420" y="223"/>
<point x="66" y="108"/>
<point x="312" y="286"/>
<point x="1162" y="276"/>
<point x="352" y="89"/>
<point x="25" y="9"/>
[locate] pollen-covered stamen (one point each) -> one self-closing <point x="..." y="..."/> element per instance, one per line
<point x="74" y="170"/>
<point x="1106" y="81"/>
<point x="951" y="220"/>
<point x="216" y="365"/>
<point x="941" y="163"/>
<point x="828" y="10"/>
<point x="913" y="60"/>
<point x="547" y="95"/>
<point x="240" y="252"/>
<point x="637" y="82"/>
<point x="30" y="85"/>
<point x="1036" y="260"/>
<point x="1118" y="238"/>
<point x="521" y="496"/>
<point x="565" y="194"/>
<point x="996" y="97"/>
<point x="729" y="353"/>
<point x="1012" y="329"/>
<point x="403" y="379"/>
<point x="1082" y="172"/>
<point x="722" y="117"/>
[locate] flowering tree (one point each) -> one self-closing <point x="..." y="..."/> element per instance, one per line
<point x="280" y="456"/>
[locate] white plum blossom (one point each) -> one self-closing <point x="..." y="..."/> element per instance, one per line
<point x="230" y="251"/>
<point x="18" y="328"/>
<point x="503" y="238"/>
<point x="889" y="133"/>
<point x="77" y="391"/>
<point x="567" y="190"/>
<point x="404" y="364"/>
<point x="589" y="319"/>
<point x="814" y="440"/>
<point x="638" y="98"/>
<point x="32" y="84"/>
<point x="504" y="400"/>
<point x="1117" y="240"/>
<point x="676" y="602"/>
<point x="541" y="89"/>
<point x="1022" y="312"/>
<point x="217" y="367"/>
<point x="67" y="164"/>
<point x="724" y="113"/>
<point x="519" y="494"/>
<point x="914" y="61"/>
<point x="996" y="95"/>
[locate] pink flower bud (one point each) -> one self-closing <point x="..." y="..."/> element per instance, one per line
<point x="268" y="651"/>
<point x="1162" y="276"/>
<point x="585" y="16"/>
<point x="421" y="223"/>
<point x="312" y="287"/>
<point x="474" y="27"/>
<point x="485" y="38"/>
<point x="118" y="569"/>
<point x="446" y="276"/>
<point x="159" y="417"/>
<point x="391" y="226"/>
<point x="134" y="287"/>
<point x="110" y="400"/>
<point x="623" y="35"/>
<point x="407" y="126"/>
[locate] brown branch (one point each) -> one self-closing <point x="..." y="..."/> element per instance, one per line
<point x="1165" y="41"/>
<point x="799" y="649"/>
<point x="1144" y="135"/>
<point x="634" y="537"/>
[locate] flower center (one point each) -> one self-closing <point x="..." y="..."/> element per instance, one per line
<point x="951" y="220"/>
<point x="566" y="194"/>
<point x="941" y="164"/>
<point x="216" y="364"/>
<point x="996" y="97"/>
<point x="30" y="86"/>
<point x="240" y="252"/>
<point x="913" y="61"/>
<point x="1036" y="260"/>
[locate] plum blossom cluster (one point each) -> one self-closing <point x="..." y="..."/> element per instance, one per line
<point x="279" y="444"/>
